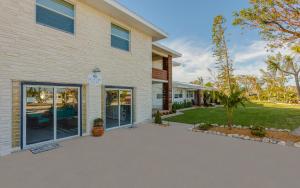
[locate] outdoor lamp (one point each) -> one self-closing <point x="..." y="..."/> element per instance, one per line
<point x="95" y="77"/>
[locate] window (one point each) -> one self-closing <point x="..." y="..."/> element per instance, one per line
<point x="57" y="14"/>
<point x="159" y="96"/>
<point x="190" y="94"/>
<point x="178" y="94"/>
<point x="120" y="38"/>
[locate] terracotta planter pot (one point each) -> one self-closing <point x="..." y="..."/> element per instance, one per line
<point x="98" y="131"/>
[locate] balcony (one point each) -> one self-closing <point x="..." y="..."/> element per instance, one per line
<point x="159" y="74"/>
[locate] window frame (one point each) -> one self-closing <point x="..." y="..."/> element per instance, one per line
<point x="129" y="39"/>
<point x="190" y="94"/>
<point x="54" y="28"/>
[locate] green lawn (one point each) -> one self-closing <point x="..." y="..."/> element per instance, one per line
<point x="280" y="116"/>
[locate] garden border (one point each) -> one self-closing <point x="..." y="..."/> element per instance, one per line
<point x="246" y="138"/>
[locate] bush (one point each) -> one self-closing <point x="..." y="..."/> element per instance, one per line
<point x="181" y="105"/>
<point x="174" y="110"/>
<point x="205" y="127"/>
<point x="157" y="119"/>
<point x="258" y="131"/>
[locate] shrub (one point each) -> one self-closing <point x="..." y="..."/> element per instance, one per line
<point x="258" y="131"/>
<point x="181" y="105"/>
<point x="174" y="110"/>
<point x="157" y="119"/>
<point x="205" y="127"/>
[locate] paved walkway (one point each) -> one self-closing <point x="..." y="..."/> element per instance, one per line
<point x="155" y="157"/>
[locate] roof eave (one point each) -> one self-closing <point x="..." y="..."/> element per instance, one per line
<point x="121" y="13"/>
<point x="167" y="50"/>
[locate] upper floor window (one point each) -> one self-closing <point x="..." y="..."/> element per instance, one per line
<point x="120" y="38"/>
<point x="57" y="14"/>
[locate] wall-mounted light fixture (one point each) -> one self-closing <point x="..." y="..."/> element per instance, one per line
<point x="95" y="77"/>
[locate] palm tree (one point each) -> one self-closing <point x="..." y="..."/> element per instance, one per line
<point x="230" y="102"/>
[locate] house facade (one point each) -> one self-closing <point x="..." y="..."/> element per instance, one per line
<point x="162" y="79"/>
<point x="187" y="92"/>
<point x="64" y="63"/>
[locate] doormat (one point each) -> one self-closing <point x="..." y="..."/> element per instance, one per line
<point x="44" y="148"/>
<point x="133" y="126"/>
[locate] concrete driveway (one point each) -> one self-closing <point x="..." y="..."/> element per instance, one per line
<point x="155" y="157"/>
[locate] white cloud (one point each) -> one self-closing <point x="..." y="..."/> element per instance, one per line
<point x="197" y="59"/>
<point x="256" y="51"/>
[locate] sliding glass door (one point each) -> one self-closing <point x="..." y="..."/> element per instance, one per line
<point x="67" y="112"/>
<point x="39" y="114"/>
<point x="50" y="113"/>
<point x="118" y="108"/>
<point x="112" y="109"/>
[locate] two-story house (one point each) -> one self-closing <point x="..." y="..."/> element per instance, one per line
<point x="52" y="56"/>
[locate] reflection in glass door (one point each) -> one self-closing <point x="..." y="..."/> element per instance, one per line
<point x="125" y="107"/>
<point x="50" y="113"/>
<point x="112" y="109"/>
<point x="67" y="112"/>
<point x="39" y="114"/>
<point x="118" y="108"/>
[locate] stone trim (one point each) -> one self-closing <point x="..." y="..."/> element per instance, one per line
<point x="16" y="114"/>
<point x="84" y="109"/>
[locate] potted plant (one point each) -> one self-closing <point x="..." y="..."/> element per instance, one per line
<point x="98" y="129"/>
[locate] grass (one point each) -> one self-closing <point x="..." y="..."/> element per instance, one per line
<point x="281" y="116"/>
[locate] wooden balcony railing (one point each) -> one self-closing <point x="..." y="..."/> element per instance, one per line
<point x="159" y="74"/>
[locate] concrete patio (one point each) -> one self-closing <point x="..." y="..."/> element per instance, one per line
<point x="155" y="157"/>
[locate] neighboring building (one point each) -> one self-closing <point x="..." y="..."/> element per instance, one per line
<point x="162" y="77"/>
<point x="181" y="91"/>
<point x="189" y="92"/>
<point x="49" y="51"/>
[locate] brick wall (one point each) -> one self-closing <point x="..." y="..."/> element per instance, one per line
<point x="32" y="52"/>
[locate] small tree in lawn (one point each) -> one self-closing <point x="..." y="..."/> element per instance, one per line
<point x="229" y="93"/>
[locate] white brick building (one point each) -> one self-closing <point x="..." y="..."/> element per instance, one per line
<point x="47" y="53"/>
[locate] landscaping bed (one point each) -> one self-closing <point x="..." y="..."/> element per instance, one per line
<point x="269" y="135"/>
<point x="276" y="135"/>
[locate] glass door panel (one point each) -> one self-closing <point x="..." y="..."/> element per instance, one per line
<point x="112" y="109"/>
<point x="67" y="112"/>
<point x="39" y="114"/>
<point x="125" y="107"/>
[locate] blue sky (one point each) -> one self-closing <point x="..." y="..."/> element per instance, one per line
<point x="189" y="25"/>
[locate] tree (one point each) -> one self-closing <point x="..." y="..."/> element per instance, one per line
<point x="277" y="20"/>
<point x="286" y="65"/>
<point x="251" y="85"/>
<point x="231" y="102"/>
<point x="199" y="81"/>
<point x="220" y="52"/>
<point x="229" y="94"/>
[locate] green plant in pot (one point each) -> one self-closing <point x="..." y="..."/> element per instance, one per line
<point x="98" y="129"/>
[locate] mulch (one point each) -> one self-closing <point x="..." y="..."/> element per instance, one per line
<point x="276" y="135"/>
